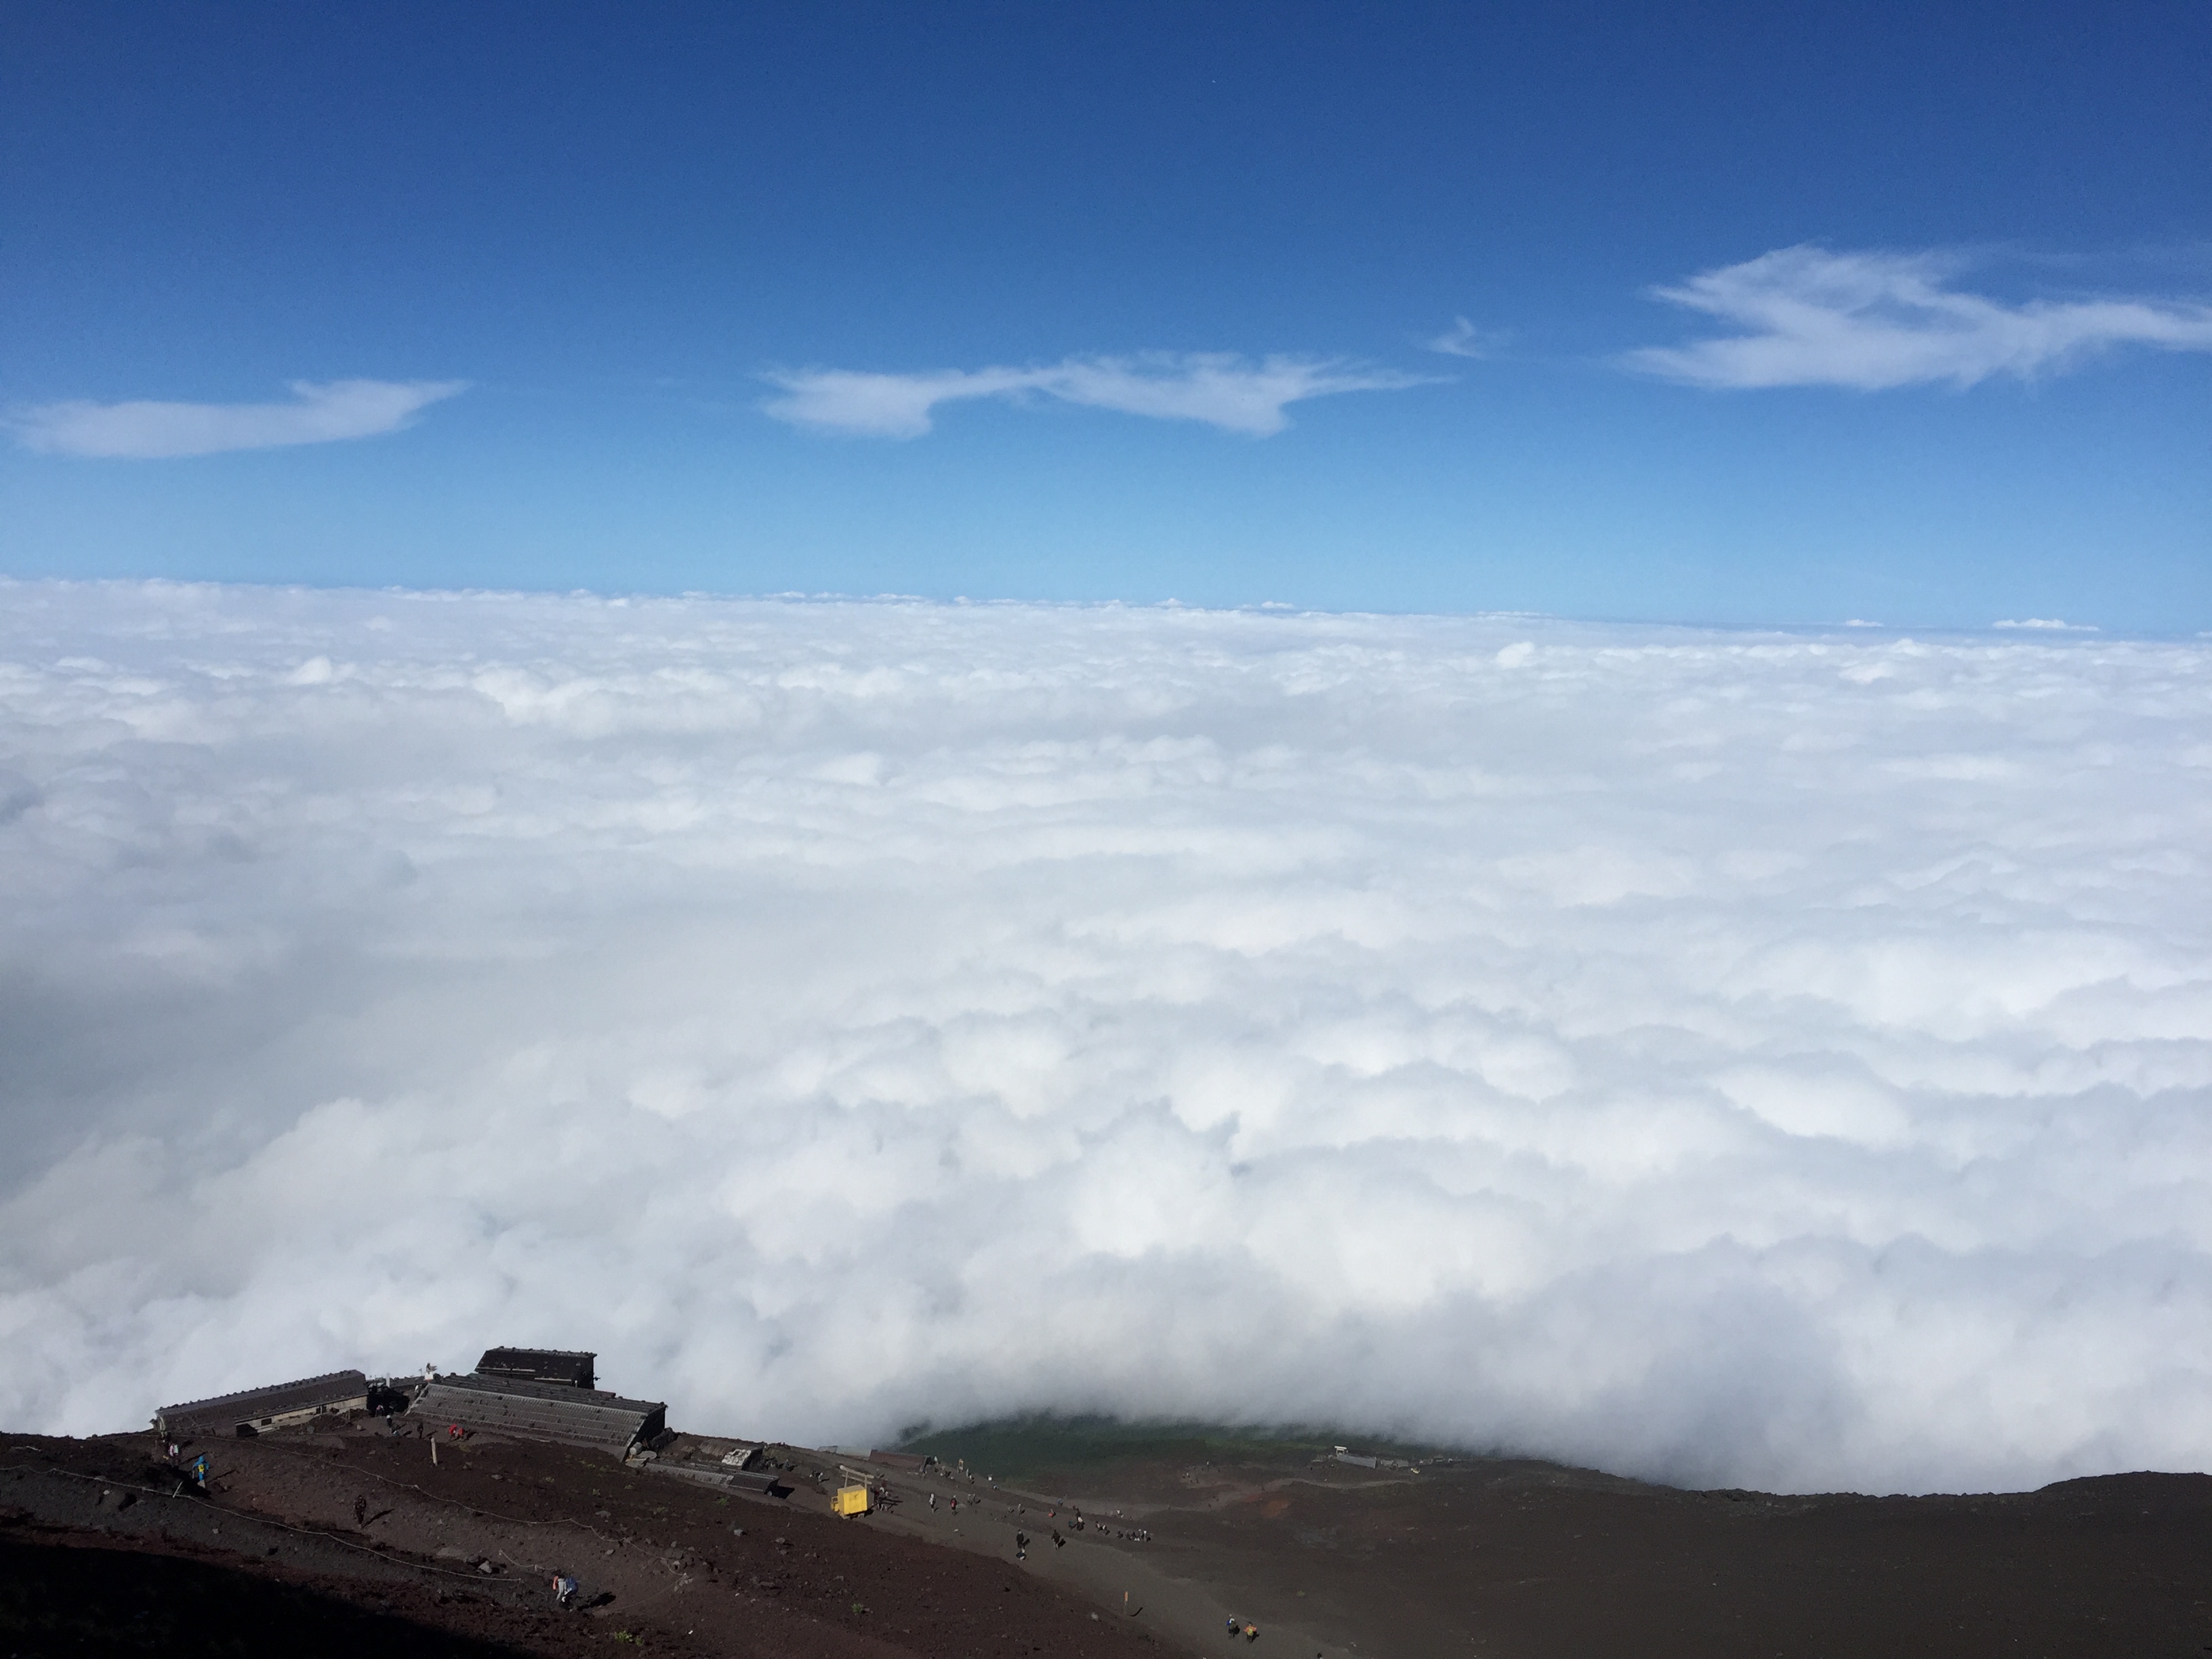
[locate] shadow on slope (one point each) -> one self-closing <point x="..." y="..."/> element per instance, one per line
<point x="57" y="1600"/>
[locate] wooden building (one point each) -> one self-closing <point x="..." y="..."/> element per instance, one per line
<point x="532" y="1410"/>
<point x="256" y="1411"/>
<point x="576" y="1370"/>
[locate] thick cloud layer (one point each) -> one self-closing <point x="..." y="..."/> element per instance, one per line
<point x="1764" y="1060"/>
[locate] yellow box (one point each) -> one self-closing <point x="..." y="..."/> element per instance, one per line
<point x="850" y="1500"/>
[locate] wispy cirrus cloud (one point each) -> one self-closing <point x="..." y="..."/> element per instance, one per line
<point x="1875" y="320"/>
<point x="1464" y="339"/>
<point x="1221" y="389"/>
<point x="319" y="412"/>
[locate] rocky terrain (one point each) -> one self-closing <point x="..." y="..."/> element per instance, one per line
<point x="1048" y="1538"/>
<point x="360" y="1527"/>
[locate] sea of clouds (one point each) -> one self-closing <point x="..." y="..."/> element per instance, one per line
<point x="1736" y="1058"/>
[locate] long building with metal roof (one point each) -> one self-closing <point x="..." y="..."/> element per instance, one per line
<point x="254" y="1410"/>
<point x="543" y="1411"/>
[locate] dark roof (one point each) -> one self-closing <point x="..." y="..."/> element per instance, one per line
<point x="542" y="1411"/>
<point x="543" y="1364"/>
<point x="230" y="1409"/>
<point x="529" y="1387"/>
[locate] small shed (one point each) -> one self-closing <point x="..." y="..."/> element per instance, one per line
<point x="544" y="1411"/>
<point x="562" y="1365"/>
<point x="256" y="1411"/>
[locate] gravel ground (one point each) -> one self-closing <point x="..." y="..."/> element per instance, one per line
<point x="466" y="1546"/>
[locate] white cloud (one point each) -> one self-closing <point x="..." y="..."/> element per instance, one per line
<point x="324" y="412"/>
<point x="1766" y="1060"/>
<point x="2049" y="625"/>
<point x="1218" y="389"/>
<point x="1464" y="339"/>
<point x="1875" y="320"/>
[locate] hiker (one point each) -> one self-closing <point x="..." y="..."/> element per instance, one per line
<point x="564" y="1589"/>
<point x="360" y="1511"/>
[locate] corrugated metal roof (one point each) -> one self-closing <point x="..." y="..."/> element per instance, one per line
<point x="760" y="1481"/>
<point x="542" y="1411"/>
<point x="247" y="1405"/>
<point x="523" y="1387"/>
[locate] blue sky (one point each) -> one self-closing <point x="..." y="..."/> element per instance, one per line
<point x="658" y="300"/>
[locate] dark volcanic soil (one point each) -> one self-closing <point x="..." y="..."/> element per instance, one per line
<point x="57" y="1599"/>
<point x="365" y="1526"/>
<point x="1535" y="1561"/>
<point x="1528" y="1560"/>
<point x="358" y="1535"/>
